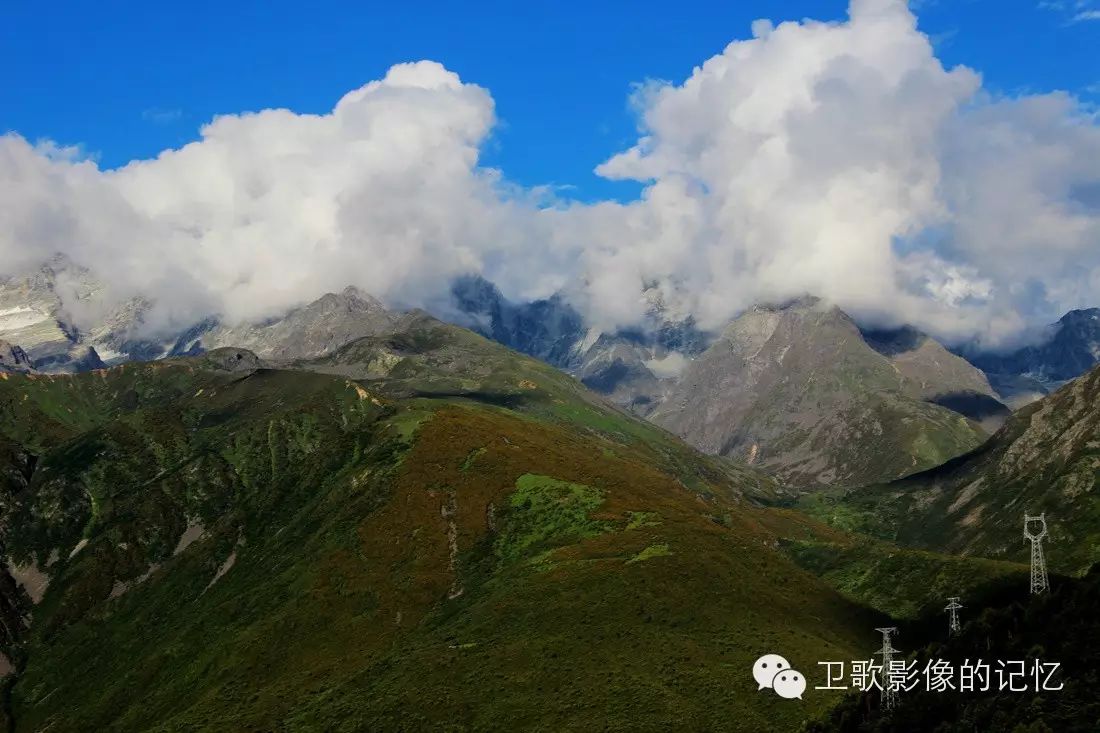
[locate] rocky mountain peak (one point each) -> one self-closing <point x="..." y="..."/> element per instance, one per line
<point x="13" y="358"/>
<point x="801" y="303"/>
<point x="1081" y="317"/>
<point x="1071" y="348"/>
<point x="318" y="328"/>
<point x="351" y="299"/>
<point x="797" y="388"/>
<point x="804" y="318"/>
<point x="474" y="294"/>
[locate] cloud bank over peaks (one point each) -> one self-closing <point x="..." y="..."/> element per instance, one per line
<point x="838" y="159"/>
<point x="272" y="208"/>
<point x="842" y="159"/>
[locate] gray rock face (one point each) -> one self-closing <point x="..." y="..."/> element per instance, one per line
<point x="31" y="315"/>
<point x="633" y="368"/>
<point x="932" y="373"/>
<point x="621" y="370"/>
<point x="84" y="358"/>
<point x="14" y="359"/>
<point x="232" y="360"/>
<point x="1071" y="349"/>
<point x="798" y="390"/>
<point x="313" y="330"/>
<point x="34" y="313"/>
<point x="793" y="388"/>
<point x="929" y="369"/>
<point x="545" y="329"/>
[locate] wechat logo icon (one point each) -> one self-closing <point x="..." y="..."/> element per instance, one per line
<point x="772" y="670"/>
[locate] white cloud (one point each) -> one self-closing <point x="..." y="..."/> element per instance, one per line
<point x="844" y="160"/>
<point x="839" y="159"/>
<point x="272" y="208"/>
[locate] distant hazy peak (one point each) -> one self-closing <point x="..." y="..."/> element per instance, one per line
<point x="1071" y="348"/>
<point x="475" y="292"/>
<point x="1080" y="315"/>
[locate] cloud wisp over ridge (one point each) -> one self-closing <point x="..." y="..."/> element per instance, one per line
<point x="839" y="159"/>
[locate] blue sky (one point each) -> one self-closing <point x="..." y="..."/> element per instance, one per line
<point x="128" y="79"/>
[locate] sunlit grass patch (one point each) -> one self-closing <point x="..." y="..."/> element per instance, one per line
<point x="636" y="520"/>
<point x="651" y="552"/>
<point x="544" y="512"/>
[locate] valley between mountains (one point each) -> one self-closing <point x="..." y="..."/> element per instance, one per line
<point x="355" y="518"/>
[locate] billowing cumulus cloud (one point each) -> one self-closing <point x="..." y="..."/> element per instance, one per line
<point x="273" y="208"/>
<point x="839" y="159"/>
<point x="844" y="160"/>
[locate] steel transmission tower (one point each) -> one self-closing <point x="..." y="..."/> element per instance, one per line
<point x="889" y="692"/>
<point x="952" y="609"/>
<point x="1039" y="581"/>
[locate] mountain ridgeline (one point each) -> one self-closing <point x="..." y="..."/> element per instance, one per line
<point x="1046" y="459"/>
<point x="798" y="388"/>
<point x="418" y="530"/>
<point x="797" y="400"/>
<point x="633" y="368"/>
<point x="1071" y="348"/>
<point x="349" y="518"/>
<point x="1068" y="349"/>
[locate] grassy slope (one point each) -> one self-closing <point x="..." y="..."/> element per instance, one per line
<point x="904" y="583"/>
<point x="1046" y="458"/>
<point x="431" y="360"/>
<point x="872" y="435"/>
<point x="386" y="573"/>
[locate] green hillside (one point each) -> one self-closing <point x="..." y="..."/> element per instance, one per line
<point x="435" y="543"/>
<point x="901" y="582"/>
<point x="1046" y="459"/>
